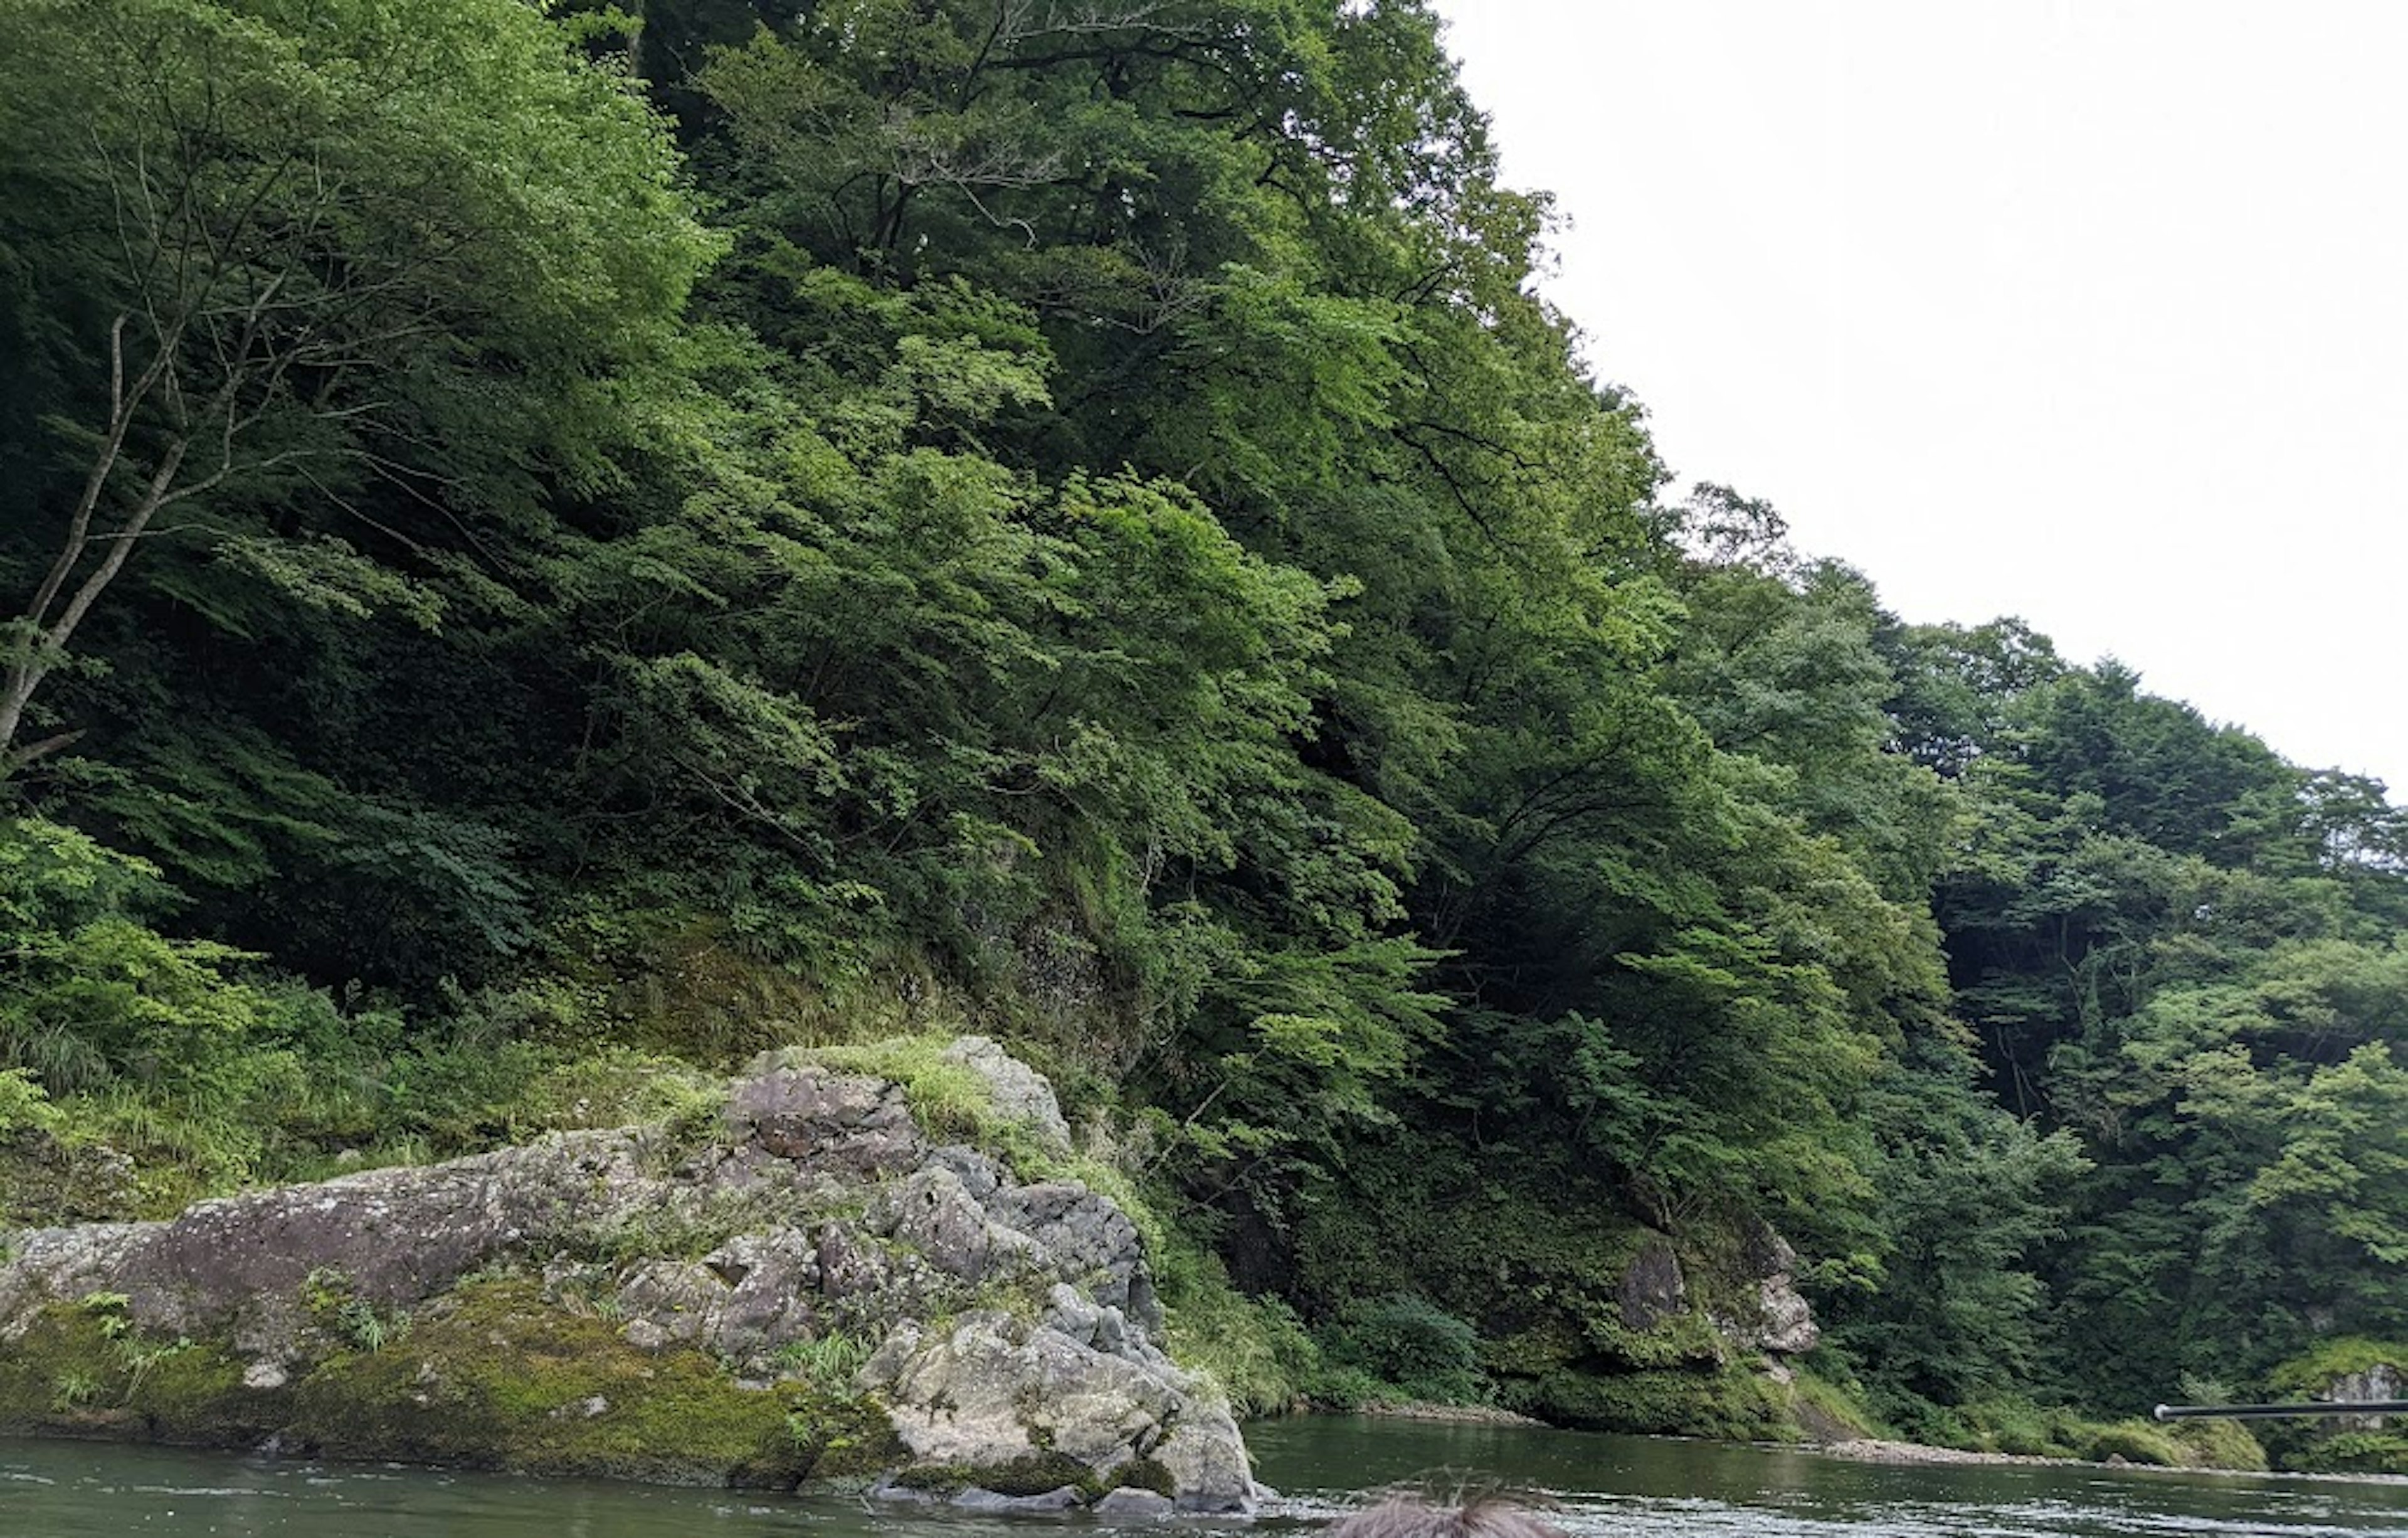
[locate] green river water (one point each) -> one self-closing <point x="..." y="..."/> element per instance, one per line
<point x="1606" y="1487"/>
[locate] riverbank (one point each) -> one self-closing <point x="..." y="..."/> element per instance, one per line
<point x="1875" y="1450"/>
<point x="1912" y="1454"/>
<point x="881" y="1263"/>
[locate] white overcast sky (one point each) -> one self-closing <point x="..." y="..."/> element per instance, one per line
<point x="2094" y="311"/>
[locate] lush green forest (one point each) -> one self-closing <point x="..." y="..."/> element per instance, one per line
<point x="546" y="551"/>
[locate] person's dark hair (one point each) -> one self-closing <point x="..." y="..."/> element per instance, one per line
<point x="1402" y="1517"/>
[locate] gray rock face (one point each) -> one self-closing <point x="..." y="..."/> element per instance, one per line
<point x="2381" y="1381"/>
<point x="1653" y="1289"/>
<point x="840" y="1122"/>
<point x="994" y="1390"/>
<point x="824" y="1210"/>
<point x="242" y="1267"/>
<point x="1207" y="1460"/>
<point x="1125" y="1502"/>
<point x="1058" y="1500"/>
<point x="1093" y="1239"/>
<point x="744" y="1302"/>
<point x="1788" y="1328"/>
<point x="1018" y="1092"/>
<point x="1785" y="1321"/>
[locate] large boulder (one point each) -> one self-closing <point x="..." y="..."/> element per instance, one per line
<point x="820" y="1227"/>
<point x="996" y="1394"/>
<point x="248" y="1268"/>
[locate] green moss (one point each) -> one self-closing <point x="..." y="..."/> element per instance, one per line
<point x="494" y="1378"/>
<point x="676" y="981"/>
<point x="1545" y="1347"/>
<point x="2313" y="1372"/>
<point x="1144" y="1473"/>
<point x="2134" y="1441"/>
<point x="82" y="1371"/>
<point x="949" y="1101"/>
<point x="2325" y="1447"/>
<point x="2353" y="1452"/>
<point x="2017" y="1426"/>
<point x="2220" y="1443"/>
<point x="1827" y="1411"/>
<point x="1730" y="1405"/>
<point x="1034" y="1474"/>
<point x="197" y="1396"/>
<point x="842" y="1436"/>
<point x="2026" y="1429"/>
<point x="1683" y="1340"/>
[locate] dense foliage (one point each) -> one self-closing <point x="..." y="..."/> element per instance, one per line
<point x="544" y="547"/>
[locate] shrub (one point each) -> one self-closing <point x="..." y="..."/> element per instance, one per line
<point x="1255" y="1348"/>
<point x="2219" y="1444"/>
<point x="2135" y="1442"/>
<point x="1413" y="1344"/>
<point x="23" y="1107"/>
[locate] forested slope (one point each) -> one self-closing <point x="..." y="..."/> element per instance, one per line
<point x="546" y="554"/>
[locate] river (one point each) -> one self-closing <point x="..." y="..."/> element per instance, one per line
<point x="1607" y="1487"/>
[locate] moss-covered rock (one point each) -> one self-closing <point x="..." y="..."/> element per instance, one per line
<point x="2352" y="1452"/>
<point x="2337" y="1361"/>
<point x="494" y="1376"/>
<point x="2216" y="1442"/>
<point x="2349" y="1367"/>
<point x="1828" y="1412"/>
<point x="83" y="1369"/>
<point x="1728" y="1404"/>
<point x="490" y="1377"/>
<point x="2134" y="1441"/>
<point x="1587" y="1318"/>
<point x="700" y="1299"/>
<point x="1034" y="1473"/>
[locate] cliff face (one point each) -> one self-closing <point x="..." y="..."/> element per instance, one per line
<point x="802" y="1284"/>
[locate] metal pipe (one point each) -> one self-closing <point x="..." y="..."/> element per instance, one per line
<point x="2311" y="1409"/>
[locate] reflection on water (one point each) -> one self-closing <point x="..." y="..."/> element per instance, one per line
<point x="1605" y="1487"/>
<point x="1608" y="1487"/>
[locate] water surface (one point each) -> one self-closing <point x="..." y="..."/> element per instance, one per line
<point x="1653" y="1487"/>
<point x="1606" y="1487"/>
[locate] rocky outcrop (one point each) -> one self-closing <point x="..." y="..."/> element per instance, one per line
<point x="2377" y="1382"/>
<point x="1017" y="1092"/>
<point x="815" y="1248"/>
<point x="1653" y="1288"/>
<point x="1785" y="1322"/>
<point x="1782" y="1321"/>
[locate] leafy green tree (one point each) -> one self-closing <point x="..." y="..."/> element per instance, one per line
<point x="264" y="255"/>
<point x="95" y="1002"/>
<point x="1960" y="690"/>
<point x="2158" y="771"/>
<point x="1953" y="1310"/>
